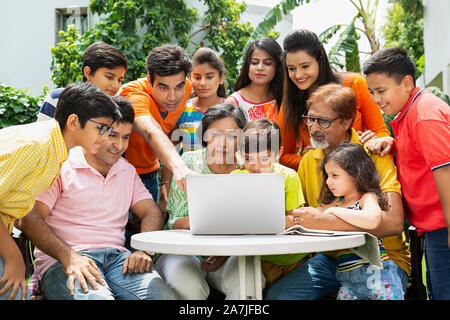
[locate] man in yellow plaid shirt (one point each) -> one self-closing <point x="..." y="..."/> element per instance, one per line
<point x="30" y="159"/>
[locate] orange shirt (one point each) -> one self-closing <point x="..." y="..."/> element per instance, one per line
<point x="139" y="153"/>
<point x="368" y="117"/>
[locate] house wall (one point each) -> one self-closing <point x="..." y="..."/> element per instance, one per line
<point x="437" y="43"/>
<point x="28" y="29"/>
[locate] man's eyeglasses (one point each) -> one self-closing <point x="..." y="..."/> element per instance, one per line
<point x="102" y="127"/>
<point x="324" y="123"/>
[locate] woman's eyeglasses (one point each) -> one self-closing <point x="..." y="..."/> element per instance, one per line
<point x="102" y="127"/>
<point x="324" y="123"/>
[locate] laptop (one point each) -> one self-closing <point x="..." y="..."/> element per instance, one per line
<point x="236" y="203"/>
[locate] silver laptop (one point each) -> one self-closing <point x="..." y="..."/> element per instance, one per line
<point x="236" y="203"/>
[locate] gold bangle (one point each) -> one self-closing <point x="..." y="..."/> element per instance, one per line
<point x="164" y="182"/>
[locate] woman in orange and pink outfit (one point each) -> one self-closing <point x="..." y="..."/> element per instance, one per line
<point x="307" y="68"/>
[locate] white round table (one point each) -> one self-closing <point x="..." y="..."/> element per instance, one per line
<point x="182" y="242"/>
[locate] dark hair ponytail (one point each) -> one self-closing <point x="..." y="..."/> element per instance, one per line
<point x="209" y="56"/>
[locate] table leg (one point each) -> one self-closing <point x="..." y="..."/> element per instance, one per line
<point x="242" y="277"/>
<point x="258" y="288"/>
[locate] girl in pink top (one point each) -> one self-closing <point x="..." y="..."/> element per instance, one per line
<point x="259" y="87"/>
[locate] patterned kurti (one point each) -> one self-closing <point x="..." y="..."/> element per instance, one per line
<point x="177" y="204"/>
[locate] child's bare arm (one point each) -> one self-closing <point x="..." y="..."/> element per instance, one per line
<point x="14" y="268"/>
<point x="368" y="218"/>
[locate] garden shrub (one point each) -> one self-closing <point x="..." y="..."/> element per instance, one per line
<point x="18" y="107"/>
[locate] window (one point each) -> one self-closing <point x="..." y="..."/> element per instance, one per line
<point x="72" y="15"/>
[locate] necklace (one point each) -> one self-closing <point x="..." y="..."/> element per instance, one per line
<point x="341" y="199"/>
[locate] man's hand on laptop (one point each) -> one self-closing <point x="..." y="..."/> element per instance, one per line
<point x="179" y="175"/>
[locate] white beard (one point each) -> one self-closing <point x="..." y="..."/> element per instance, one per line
<point x="324" y="144"/>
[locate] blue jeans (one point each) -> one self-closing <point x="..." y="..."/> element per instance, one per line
<point x="370" y="283"/>
<point x="131" y="286"/>
<point x="6" y="295"/>
<point x="437" y="258"/>
<point x="150" y="181"/>
<point x="314" y="279"/>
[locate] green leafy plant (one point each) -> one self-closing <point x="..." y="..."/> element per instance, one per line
<point x="136" y="27"/>
<point x="18" y="107"/>
<point x="344" y="56"/>
<point x="387" y="120"/>
<point x="404" y="28"/>
<point x="67" y="57"/>
<point x="271" y="19"/>
<point x="226" y="34"/>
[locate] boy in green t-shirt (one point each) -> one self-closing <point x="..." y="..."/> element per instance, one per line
<point x="261" y="150"/>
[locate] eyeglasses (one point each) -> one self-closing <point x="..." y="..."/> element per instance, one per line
<point x="103" y="128"/>
<point x="324" y="123"/>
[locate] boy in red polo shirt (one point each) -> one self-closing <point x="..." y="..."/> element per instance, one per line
<point x="422" y="147"/>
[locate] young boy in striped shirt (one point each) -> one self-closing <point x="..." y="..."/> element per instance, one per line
<point x="30" y="159"/>
<point x="103" y="65"/>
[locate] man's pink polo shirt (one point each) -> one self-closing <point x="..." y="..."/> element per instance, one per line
<point x="89" y="211"/>
<point x="422" y="140"/>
